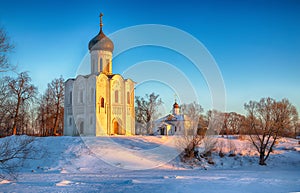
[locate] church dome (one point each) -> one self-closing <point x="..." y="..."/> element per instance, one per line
<point x="101" y="41"/>
<point x="175" y="105"/>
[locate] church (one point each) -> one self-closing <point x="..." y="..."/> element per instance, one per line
<point x="172" y="123"/>
<point x="100" y="103"/>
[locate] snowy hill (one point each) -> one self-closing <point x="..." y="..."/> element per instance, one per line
<point x="151" y="164"/>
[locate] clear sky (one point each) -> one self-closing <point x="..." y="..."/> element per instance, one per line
<point x="255" y="43"/>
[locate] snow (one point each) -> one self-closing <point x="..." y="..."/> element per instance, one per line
<point x="63" y="183"/>
<point x="144" y="164"/>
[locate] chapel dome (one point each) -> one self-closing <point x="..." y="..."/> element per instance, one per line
<point x="101" y="41"/>
<point x="175" y="105"/>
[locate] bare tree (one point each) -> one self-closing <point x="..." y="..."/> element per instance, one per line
<point x="232" y="123"/>
<point x="193" y="111"/>
<point x="56" y="88"/>
<point x="297" y="129"/>
<point x="5" y="102"/>
<point x="146" y="111"/>
<point x="14" y="150"/>
<point x="50" y="114"/>
<point x="266" y="119"/>
<point x="45" y="114"/>
<point x="190" y="138"/>
<point x="215" y="122"/>
<point x="5" y="109"/>
<point x="21" y="90"/>
<point x="5" y="48"/>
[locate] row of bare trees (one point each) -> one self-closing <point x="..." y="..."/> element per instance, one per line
<point x="22" y="110"/>
<point x="233" y="123"/>
<point x="266" y="120"/>
<point x="216" y="122"/>
<point x="5" y="48"/>
<point x="50" y="111"/>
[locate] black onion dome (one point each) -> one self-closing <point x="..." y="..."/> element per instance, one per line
<point x="101" y="42"/>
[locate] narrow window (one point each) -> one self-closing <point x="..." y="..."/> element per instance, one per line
<point x="102" y="102"/>
<point x="70" y="121"/>
<point x="116" y="96"/>
<point x="93" y="65"/>
<point x="70" y="97"/>
<point x="107" y="64"/>
<point x="81" y="96"/>
<point x="101" y="65"/>
<point x="128" y="98"/>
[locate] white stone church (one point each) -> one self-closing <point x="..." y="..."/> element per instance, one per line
<point x="101" y="103"/>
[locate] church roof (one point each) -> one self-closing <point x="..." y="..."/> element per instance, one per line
<point x="171" y="118"/>
<point x="109" y="76"/>
<point x="101" y="41"/>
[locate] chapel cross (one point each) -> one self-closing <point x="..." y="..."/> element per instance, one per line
<point x="101" y="24"/>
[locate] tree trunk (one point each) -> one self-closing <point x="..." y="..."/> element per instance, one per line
<point x="148" y="128"/>
<point x="56" y="118"/>
<point x="262" y="159"/>
<point x="14" y="129"/>
<point x="56" y="121"/>
<point x="16" y="116"/>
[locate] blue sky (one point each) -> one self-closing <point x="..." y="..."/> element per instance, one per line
<point x="256" y="44"/>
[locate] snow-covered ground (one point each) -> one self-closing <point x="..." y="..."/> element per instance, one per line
<point x="149" y="164"/>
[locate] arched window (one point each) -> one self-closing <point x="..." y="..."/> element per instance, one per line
<point x="116" y="96"/>
<point x="128" y="98"/>
<point x="81" y="97"/>
<point x="70" y="97"/>
<point x="102" y="102"/>
<point x="101" y="65"/>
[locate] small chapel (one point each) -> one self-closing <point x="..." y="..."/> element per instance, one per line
<point x="100" y="103"/>
<point x="172" y="123"/>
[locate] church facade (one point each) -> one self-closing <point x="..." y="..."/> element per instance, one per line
<point x="101" y="103"/>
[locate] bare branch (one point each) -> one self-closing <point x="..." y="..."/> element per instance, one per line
<point x="14" y="150"/>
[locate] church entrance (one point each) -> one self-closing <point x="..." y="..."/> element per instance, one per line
<point x="117" y="128"/>
<point x="81" y="128"/>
